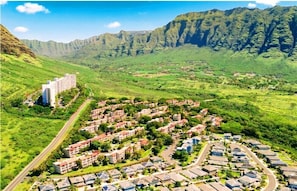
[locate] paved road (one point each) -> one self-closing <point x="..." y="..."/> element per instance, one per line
<point x="55" y="142"/>
<point x="272" y="181"/>
<point x="167" y="154"/>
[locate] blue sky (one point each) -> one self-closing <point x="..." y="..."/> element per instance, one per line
<point x="69" y="20"/>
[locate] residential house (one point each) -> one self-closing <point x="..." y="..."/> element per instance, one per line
<point x="129" y="171"/>
<point x="156" y="159"/>
<point x="211" y="170"/>
<point x="218" y="160"/>
<point x="127" y="186"/>
<point x="292" y="183"/>
<point x="192" y="187"/>
<point x="188" y="174"/>
<point x="103" y="176"/>
<point x="271" y="159"/>
<point x="248" y="182"/>
<point x="285" y="189"/>
<point x="109" y="188"/>
<point x="278" y="163"/>
<point x="114" y="174"/>
<point x="216" y="152"/>
<point x="288" y="169"/>
<point x="252" y="143"/>
<point x="165" y="179"/>
<point x="289" y="172"/>
<point x="138" y="168"/>
<point x="175" y="177"/>
<point x="89" y="179"/>
<point x="63" y="184"/>
<point x="228" y="136"/>
<point x="251" y="173"/>
<point x="140" y="183"/>
<point x="148" y="164"/>
<point x="265" y="153"/>
<point x="78" y="181"/>
<point x="162" y="188"/>
<point x="219" y="186"/>
<point x="206" y="187"/>
<point x="152" y="181"/>
<point x="47" y="187"/>
<point x="237" y="138"/>
<point x="198" y="172"/>
<point x="262" y="147"/>
<point x="288" y="175"/>
<point x="232" y="184"/>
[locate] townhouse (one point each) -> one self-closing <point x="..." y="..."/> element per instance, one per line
<point x="66" y="165"/>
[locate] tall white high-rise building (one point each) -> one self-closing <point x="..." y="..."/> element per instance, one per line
<point x="52" y="88"/>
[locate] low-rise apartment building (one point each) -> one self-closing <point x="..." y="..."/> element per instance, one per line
<point x="66" y="165"/>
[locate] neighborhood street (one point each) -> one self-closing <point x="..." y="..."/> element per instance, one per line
<point x="272" y="181"/>
<point x="55" y="142"/>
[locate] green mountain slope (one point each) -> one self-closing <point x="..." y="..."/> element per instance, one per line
<point x="12" y="45"/>
<point x="241" y="29"/>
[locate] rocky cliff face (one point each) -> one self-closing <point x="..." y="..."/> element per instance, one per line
<point x="12" y="45"/>
<point x="256" y="31"/>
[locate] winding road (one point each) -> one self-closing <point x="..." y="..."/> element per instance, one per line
<point x="55" y="142"/>
<point x="272" y="181"/>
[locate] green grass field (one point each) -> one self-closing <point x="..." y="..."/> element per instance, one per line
<point x="175" y="73"/>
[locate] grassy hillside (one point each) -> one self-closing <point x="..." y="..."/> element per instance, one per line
<point x="25" y="132"/>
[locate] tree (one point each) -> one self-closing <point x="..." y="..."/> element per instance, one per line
<point x="86" y="134"/>
<point x="105" y="147"/>
<point x="167" y="139"/>
<point x="95" y="145"/>
<point x="17" y="102"/>
<point x="78" y="163"/>
<point x="177" y="184"/>
<point x="156" y="150"/>
<point x="182" y="156"/>
<point x="103" y="127"/>
<point x="144" y="119"/>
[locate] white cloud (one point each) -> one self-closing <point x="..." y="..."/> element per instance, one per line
<point x="21" y="29"/>
<point x="115" y="24"/>
<point x="252" y="5"/>
<point x="271" y="3"/>
<point x="3" y="2"/>
<point x="31" y="8"/>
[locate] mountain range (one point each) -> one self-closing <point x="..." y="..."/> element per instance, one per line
<point x="241" y="29"/>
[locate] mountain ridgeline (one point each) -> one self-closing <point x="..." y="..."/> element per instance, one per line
<point x="253" y="30"/>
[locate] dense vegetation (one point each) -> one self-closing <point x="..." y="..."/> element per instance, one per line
<point x="254" y="31"/>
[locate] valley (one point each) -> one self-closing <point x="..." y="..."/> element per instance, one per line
<point x="198" y="63"/>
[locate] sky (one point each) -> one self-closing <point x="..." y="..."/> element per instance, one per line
<point x="65" y="21"/>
